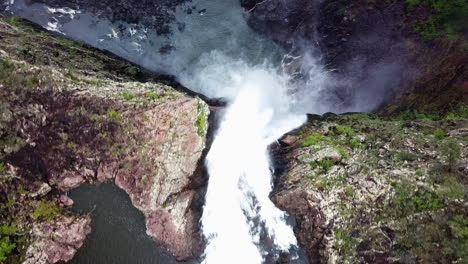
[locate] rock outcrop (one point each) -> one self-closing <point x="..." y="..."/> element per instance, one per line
<point x="72" y="114"/>
<point x="398" y="193"/>
<point x="57" y="241"/>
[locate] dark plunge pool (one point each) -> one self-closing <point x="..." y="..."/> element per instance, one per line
<point x="119" y="232"/>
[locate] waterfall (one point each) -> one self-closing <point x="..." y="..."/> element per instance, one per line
<point x="240" y="178"/>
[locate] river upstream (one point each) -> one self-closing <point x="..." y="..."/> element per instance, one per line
<point x="210" y="50"/>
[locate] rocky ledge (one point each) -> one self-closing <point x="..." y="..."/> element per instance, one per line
<point x="371" y="189"/>
<point x="71" y="115"/>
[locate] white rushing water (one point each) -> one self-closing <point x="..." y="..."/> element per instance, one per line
<point x="219" y="56"/>
<point x="240" y="171"/>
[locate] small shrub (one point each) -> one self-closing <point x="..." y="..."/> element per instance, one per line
<point x="451" y="150"/>
<point x="6" y="247"/>
<point x="132" y="71"/>
<point x="349" y="191"/>
<point x="71" y="76"/>
<point x="345" y="130"/>
<point x="439" y="134"/>
<point x="114" y="115"/>
<point x="326" y="164"/>
<point x="152" y="95"/>
<point x="201" y="122"/>
<point x="459" y="112"/>
<point x="8" y="64"/>
<point x="343" y="152"/>
<point x="46" y="209"/>
<point x="314" y="139"/>
<point x="406" y="156"/>
<point x="354" y="143"/>
<point x="128" y="96"/>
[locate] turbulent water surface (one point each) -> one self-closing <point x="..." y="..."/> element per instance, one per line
<point x="217" y="54"/>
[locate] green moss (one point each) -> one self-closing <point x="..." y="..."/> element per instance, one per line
<point x="314" y="139"/>
<point x="46" y="210"/>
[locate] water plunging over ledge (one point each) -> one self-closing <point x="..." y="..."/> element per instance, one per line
<point x="218" y="55"/>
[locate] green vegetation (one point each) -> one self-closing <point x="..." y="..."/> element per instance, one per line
<point x="407" y="200"/>
<point x="153" y="95"/>
<point x="451" y="150"/>
<point x="439" y="134"/>
<point x="114" y="115"/>
<point x="71" y="76"/>
<point x="128" y="96"/>
<point x="354" y="143"/>
<point x="324" y="164"/>
<point x="447" y="18"/>
<point x="419" y="115"/>
<point x="343" y="152"/>
<point x="46" y="210"/>
<point x="314" y="139"/>
<point x="345" y="130"/>
<point x="406" y="156"/>
<point x="460" y="111"/>
<point x="202" y="122"/>
<point x="20" y="23"/>
<point x="7" y="240"/>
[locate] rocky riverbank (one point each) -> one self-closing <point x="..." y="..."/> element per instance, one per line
<point x="71" y="114"/>
<point x="369" y="189"/>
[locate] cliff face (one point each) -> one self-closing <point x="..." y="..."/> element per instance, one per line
<point x="368" y="189"/>
<point x="408" y="55"/>
<point x="71" y="114"/>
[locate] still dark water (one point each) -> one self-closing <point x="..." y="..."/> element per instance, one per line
<point x="119" y="232"/>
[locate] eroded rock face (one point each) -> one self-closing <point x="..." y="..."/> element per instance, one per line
<point x="166" y="186"/>
<point x="311" y="224"/>
<point x="57" y="241"/>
